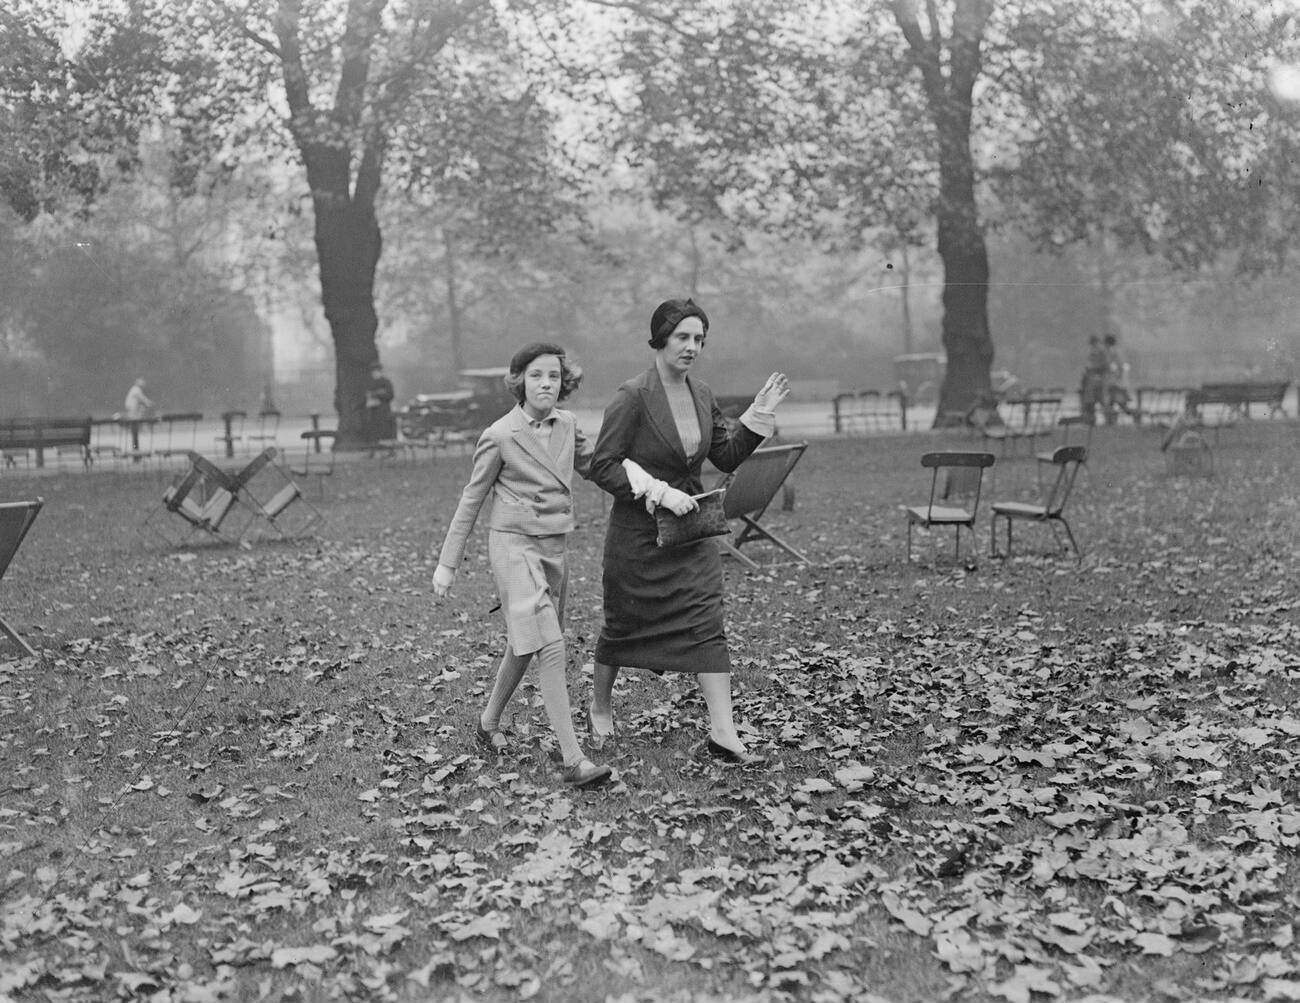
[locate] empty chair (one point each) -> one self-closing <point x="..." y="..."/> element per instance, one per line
<point x="1051" y="512"/>
<point x="316" y="462"/>
<point x="201" y="498"/>
<point x="268" y="427"/>
<point x="232" y="430"/>
<point x="204" y="496"/>
<point x="269" y="490"/>
<point x="750" y="489"/>
<point x="16" y="519"/>
<point x="955" y="481"/>
<point x="1072" y="426"/>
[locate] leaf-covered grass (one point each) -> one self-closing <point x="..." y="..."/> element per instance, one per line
<point x="250" y="773"/>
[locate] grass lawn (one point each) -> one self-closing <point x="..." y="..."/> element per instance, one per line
<point x="249" y="773"/>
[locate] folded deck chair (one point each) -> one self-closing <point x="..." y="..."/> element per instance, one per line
<point x="16" y="519"/>
<point x="275" y="497"/>
<point x="203" y="497"/>
<point x="750" y="489"/>
<point x="200" y="497"/>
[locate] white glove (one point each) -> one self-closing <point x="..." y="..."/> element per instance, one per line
<point x="678" y="502"/>
<point x="774" y="391"/>
<point x="645" y="486"/>
<point x="640" y="481"/>
<point x="443" y="577"/>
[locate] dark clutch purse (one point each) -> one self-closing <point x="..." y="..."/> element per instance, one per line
<point x="707" y="520"/>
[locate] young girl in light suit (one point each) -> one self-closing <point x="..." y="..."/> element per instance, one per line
<point x="525" y="463"/>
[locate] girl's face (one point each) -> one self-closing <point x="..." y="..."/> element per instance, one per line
<point x="542" y="379"/>
<point x="683" y="346"/>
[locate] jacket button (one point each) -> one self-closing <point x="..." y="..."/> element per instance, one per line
<point x="537" y="498"/>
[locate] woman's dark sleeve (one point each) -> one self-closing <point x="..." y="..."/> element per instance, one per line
<point x="617" y="431"/>
<point x="729" y="448"/>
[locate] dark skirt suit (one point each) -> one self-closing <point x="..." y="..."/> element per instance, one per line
<point x="663" y="606"/>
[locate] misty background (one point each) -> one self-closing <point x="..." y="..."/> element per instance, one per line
<point x="210" y="290"/>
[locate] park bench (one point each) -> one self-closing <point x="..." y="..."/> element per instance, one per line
<point x="869" y="411"/>
<point x="20" y="435"/>
<point x="1236" y="399"/>
<point x="1160" y="405"/>
<point x="1216" y="406"/>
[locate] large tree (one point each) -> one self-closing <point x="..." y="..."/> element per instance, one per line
<point x="1151" y="121"/>
<point x="363" y="93"/>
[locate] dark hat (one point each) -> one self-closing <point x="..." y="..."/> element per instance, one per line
<point x="668" y="315"/>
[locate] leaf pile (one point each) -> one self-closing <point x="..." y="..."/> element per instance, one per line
<point x="252" y="774"/>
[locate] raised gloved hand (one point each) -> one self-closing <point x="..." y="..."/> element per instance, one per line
<point x="678" y="502"/>
<point x="774" y="391"/>
<point x="443" y="577"/>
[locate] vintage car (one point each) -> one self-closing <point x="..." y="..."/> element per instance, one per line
<point x="481" y="398"/>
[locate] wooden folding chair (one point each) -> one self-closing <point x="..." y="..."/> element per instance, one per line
<point x="270" y="492"/>
<point x="957" y="476"/>
<point x="16" y="519"/>
<point x="204" y="496"/>
<point x="750" y="489"/>
<point x="1067" y="460"/>
<point x="201" y="497"/>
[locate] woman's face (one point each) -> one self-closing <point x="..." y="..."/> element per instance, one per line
<point x="684" y="345"/>
<point x="542" y="379"/>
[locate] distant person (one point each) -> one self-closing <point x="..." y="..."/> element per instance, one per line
<point x="1092" y="388"/>
<point x="1115" y="393"/>
<point x="380" y="423"/>
<point x="523" y="469"/>
<point x="137" y="409"/>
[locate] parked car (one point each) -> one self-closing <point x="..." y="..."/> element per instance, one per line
<point x="480" y="399"/>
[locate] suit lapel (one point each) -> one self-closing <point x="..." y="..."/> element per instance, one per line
<point x="531" y="445"/>
<point x="655" y="399"/>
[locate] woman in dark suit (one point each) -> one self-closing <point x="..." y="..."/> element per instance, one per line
<point x="663" y="606"/>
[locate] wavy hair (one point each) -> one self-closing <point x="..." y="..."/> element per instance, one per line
<point x="570" y="373"/>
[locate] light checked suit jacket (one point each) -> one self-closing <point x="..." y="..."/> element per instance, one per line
<point x="530" y="486"/>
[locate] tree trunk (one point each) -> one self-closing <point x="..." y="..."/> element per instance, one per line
<point x="453" y="303"/>
<point x="905" y="297"/>
<point x="348" y="246"/>
<point x="962" y="249"/>
<point x="949" y="87"/>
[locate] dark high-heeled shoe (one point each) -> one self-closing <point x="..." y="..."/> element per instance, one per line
<point x="596" y="739"/>
<point x="586" y="775"/>
<point x="494" y="741"/>
<point x="731" y="757"/>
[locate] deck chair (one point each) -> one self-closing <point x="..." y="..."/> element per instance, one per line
<point x="16" y="519"/>
<point x="750" y="489"/>
<point x="201" y="497"/>
<point x="275" y="497"/>
<point x="955" y="482"/>
<point x="1067" y="460"/>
